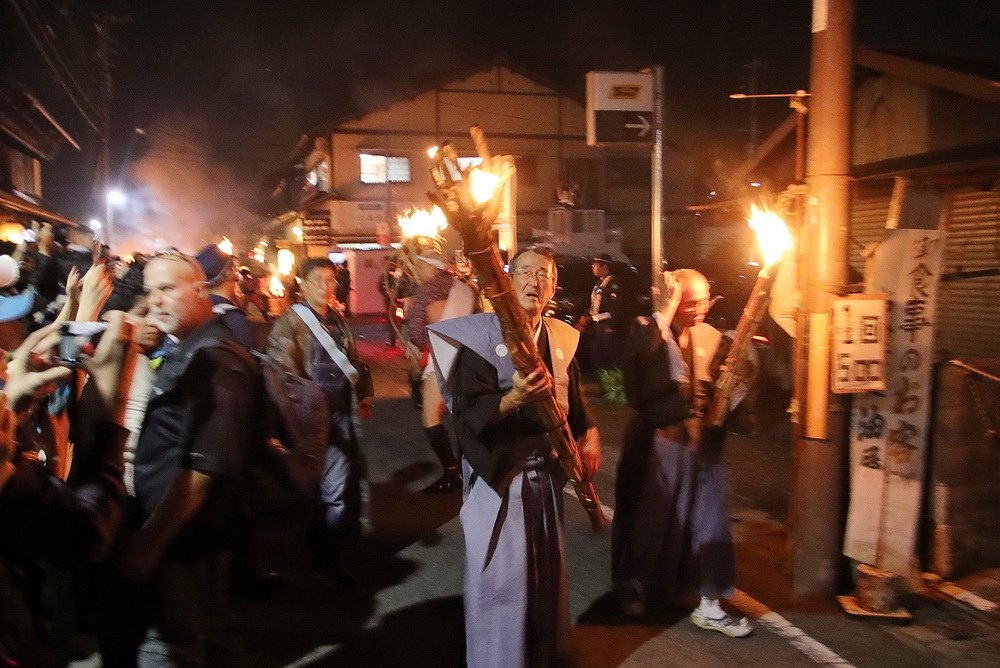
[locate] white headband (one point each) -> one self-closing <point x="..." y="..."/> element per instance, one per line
<point x="433" y="261"/>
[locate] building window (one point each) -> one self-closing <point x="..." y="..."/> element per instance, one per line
<point x="384" y="169"/>
<point x="22" y="173"/>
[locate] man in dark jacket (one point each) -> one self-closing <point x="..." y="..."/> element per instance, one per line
<point x="189" y="464"/>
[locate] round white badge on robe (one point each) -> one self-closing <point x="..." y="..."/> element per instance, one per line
<point x="559" y="354"/>
<point x="501" y="350"/>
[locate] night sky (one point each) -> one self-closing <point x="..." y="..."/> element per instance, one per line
<point x="223" y="88"/>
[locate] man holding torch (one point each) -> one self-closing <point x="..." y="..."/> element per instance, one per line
<point x="516" y="606"/>
<point x="671" y="527"/>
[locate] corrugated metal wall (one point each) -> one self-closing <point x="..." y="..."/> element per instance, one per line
<point x="968" y="318"/>
<point x="969" y="310"/>
<point x="868" y="214"/>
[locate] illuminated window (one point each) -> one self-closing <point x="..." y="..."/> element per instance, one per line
<point x="382" y="169"/>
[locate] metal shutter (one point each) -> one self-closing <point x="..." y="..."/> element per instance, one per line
<point x="968" y="316"/>
<point x="868" y="216"/>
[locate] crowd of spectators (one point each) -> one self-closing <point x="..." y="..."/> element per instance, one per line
<point x="130" y="421"/>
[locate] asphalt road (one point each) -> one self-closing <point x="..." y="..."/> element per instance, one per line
<point x="406" y="607"/>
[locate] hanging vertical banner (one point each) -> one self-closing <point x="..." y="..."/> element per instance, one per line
<point x="889" y="431"/>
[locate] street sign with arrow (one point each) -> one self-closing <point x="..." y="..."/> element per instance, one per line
<point x="619" y="108"/>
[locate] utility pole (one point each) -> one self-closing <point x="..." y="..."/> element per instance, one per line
<point x="818" y="487"/>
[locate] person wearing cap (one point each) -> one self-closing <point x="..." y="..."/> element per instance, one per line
<point x="220" y="269"/>
<point x="604" y="316"/>
<point x="440" y="296"/>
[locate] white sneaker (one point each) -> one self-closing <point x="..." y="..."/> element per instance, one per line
<point x="734" y="627"/>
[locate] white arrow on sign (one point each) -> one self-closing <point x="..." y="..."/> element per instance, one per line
<point x="643" y="126"/>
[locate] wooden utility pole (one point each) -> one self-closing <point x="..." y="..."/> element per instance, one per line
<point x="818" y="487"/>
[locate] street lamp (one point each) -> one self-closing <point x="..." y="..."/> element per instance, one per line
<point x="114" y="197"/>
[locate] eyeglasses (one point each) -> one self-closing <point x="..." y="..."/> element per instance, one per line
<point x="542" y="275"/>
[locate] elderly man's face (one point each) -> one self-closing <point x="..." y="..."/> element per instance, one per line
<point x="534" y="280"/>
<point x="177" y="294"/>
<point x="695" y="296"/>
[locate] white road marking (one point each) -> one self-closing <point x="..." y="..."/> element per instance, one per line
<point x="771" y="620"/>
<point x="313" y="656"/>
<point x="959" y="594"/>
<point x="798" y="639"/>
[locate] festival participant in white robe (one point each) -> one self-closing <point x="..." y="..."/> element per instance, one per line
<point x="516" y="605"/>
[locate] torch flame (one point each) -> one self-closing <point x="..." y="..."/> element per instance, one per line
<point x="773" y="236"/>
<point x="421" y="222"/>
<point x="226" y="246"/>
<point x="432" y="152"/>
<point x="482" y="184"/>
<point x="286" y="261"/>
<point x="275" y="287"/>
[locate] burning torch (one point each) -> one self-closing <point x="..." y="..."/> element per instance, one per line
<point x="774" y="240"/>
<point x="471" y="201"/>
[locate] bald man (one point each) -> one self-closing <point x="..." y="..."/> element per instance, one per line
<point x="189" y="461"/>
<point x="671" y="525"/>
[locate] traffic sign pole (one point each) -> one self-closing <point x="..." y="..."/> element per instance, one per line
<point x="656" y="205"/>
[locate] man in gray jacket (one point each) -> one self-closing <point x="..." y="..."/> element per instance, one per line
<point x="313" y="341"/>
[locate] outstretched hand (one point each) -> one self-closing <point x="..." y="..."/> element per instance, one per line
<point x="32" y="367"/>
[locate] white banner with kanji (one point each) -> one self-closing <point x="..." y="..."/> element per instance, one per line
<point x="889" y="430"/>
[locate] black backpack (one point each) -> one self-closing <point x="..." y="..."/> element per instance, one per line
<point x="293" y="425"/>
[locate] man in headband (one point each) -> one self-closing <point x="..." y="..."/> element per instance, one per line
<point x="440" y="296"/>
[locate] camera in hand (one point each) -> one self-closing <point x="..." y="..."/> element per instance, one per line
<point x="79" y="340"/>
